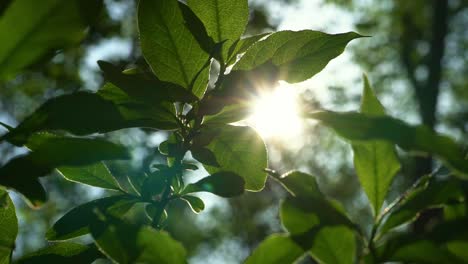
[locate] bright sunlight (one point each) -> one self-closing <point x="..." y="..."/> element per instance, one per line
<point x="275" y="114"/>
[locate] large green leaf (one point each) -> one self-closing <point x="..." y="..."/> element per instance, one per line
<point x="298" y="55"/>
<point x="242" y="45"/>
<point x="76" y="222"/>
<point x="8" y="227"/>
<point x="97" y="175"/>
<point x="49" y="152"/>
<point x="30" y="30"/>
<point x="434" y="193"/>
<point x="65" y="252"/>
<point x="240" y="150"/>
<point x="225" y="184"/>
<point x="275" y="249"/>
<point x="335" y="244"/>
<point x="224" y="20"/>
<point x="125" y="244"/>
<point x="376" y="162"/>
<point x="362" y="127"/>
<point x="170" y="48"/>
<point x="85" y="113"/>
<point x="145" y="88"/>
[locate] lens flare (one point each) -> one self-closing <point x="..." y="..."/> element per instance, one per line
<point x="275" y="114"/>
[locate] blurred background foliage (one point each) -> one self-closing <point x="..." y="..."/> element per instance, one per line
<point x="416" y="59"/>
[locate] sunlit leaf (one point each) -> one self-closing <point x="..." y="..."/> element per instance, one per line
<point x="195" y="203"/>
<point x="362" y="127"/>
<point x="30" y="30"/>
<point x="76" y="222"/>
<point x="335" y="244"/>
<point x="97" y="175"/>
<point x="275" y="249"/>
<point x="376" y="162"/>
<point x="65" y="252"/>
<point x="298" y="55"/>
<point x="8" y="227"/>
<point x="224" y="20"/>
<point x="225" y="184"/>
<point x="240" y="150"/>
<point x="169" y="47"/>
<point x="126" y="244"/>
<point x="242" y="46"/>
<point x="300" y="184"/>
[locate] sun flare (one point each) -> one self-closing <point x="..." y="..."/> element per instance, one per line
<point x="275" y="114"/>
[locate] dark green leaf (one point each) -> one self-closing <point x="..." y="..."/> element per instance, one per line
<point x="435" y="193"/>
<point x="169" y="47"/>
<point x="195" y="203"/>
<point x="362" y="127"/>
<point x="30" y="30"/>
<point x="335" y="245"/>
<point x="225" y="184"/>
<point x="154" y="184"/>
<point x="143" y="88"/>
<point x="242" y="46"/>
<point x="300" y="184"/>
<point x="77" y="221"/>
<point x="205" y="156"/>
<point x="8" y="227"/>
<point x="224" y="20"/>
<point x="240" y="150"/>
<point x="229" y="114"/>
<point x="376" y="162"/>
<point x="298" y="55"/>
<point x="275" y="249"/>
<point x="97" y="175"/>
<point x="49" y="152"/>
<point x="127" y="244"/>
<point x="65" y="252"/>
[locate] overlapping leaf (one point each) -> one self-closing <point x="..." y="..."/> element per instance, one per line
<point x="275" y="249"/>
<point x="8" y="227"/>
<point x="66" y="252"/>
<point x="225" y="184"/>
<point x="97" y="175"/>
<point x="30" y="30"/>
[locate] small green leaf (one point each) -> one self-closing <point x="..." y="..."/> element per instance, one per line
<point x="376" y="162"/>
<point x="50" y="25"/>
<point x="76" y="222"/>
<point x="196" y="204"/>
<point x="300" y="184"/>
<point x="8" y="227"/>
<point x="144" y="88"/>
<point x="240" y="150"/>
<point x="225" y="184"/>
<point x="362" y="127"/>
<point x="224" y="20"/>
<point x="229" y="114"/>
<point x="97" y="175"/>
<point x="298" y="55"/>
<point x="65" y="252"/>
<point x="435" y="193"/>
<point x="125" y="244"/>
<point x="275" y="249"/>
<point x="335" y="244"/>
<point x="205" y="156"/>
<point x="169" y="47"/>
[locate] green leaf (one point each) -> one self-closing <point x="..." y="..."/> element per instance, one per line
<point x="85" y="113"/>
<point x="275" y="249"/>
<point x="225" y="184"/>
<point x="229" y="114"/>
<point x="240" y="150"/>
<point x="145" y="88"/>
<point x="300" y="184"/>
<point x="376" y="162"/>
<point x="169" y="47"/>
<point x="125" y="244"/>
<point x="335" y="244"/>
<point x="295" y="220"/>
<point x="435" y="193"/>
<point x="65" y="252"/>
<point x="154" y="184"/>
<point x="97" y="175"/>
<point x="298" y="55"/>
<point x="224" y="20"/>
<point x="76" y="222"/>
<point x="31" y="30"/>
<point x="8" y="227"/>
<point x="49" y="152"/>
<point x="242" y="45"/>
<point x="205" y="156"/>
<point x="362" y="127"/>
<point x="196" y="204"/>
